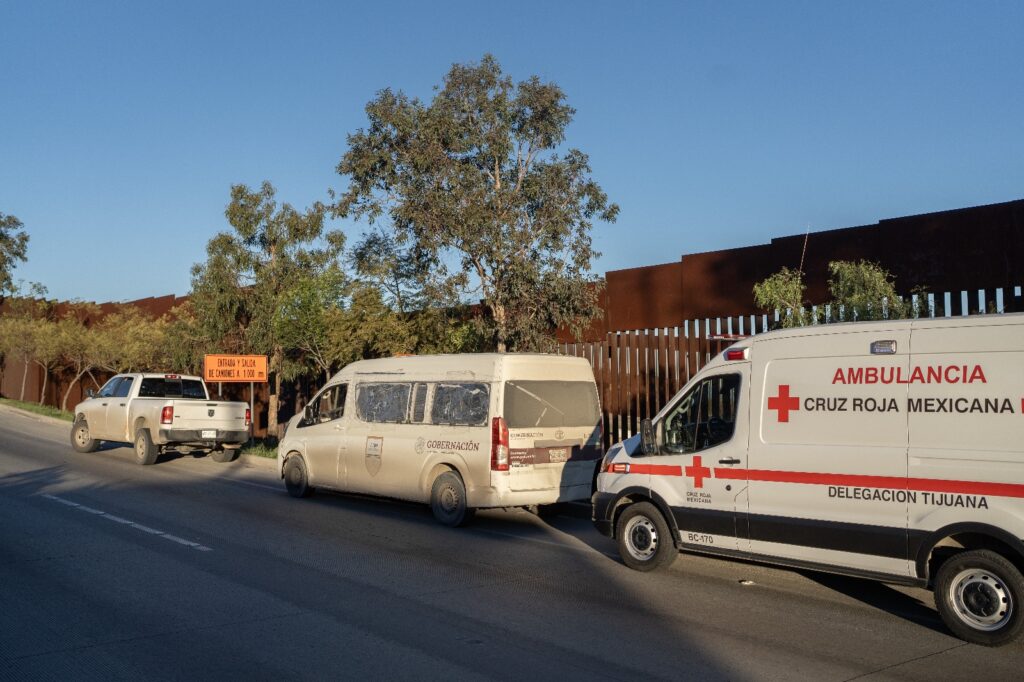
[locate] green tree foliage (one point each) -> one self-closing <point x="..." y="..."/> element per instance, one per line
<point x="306" y="318"/>
<point x="784" y="292"/>
<point x="81" y="347"/>
<point x="864" y="291"/>
<point x="130" y="340"/>
<point x="472" y="185"/>
<point x="858" y="290"/>
<point x="13" y="248"/>
<point x="238" y="292"/>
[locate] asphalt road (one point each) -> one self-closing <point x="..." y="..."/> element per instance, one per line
<point x="190" y="569"/>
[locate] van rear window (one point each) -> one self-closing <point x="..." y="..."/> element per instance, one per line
<point x="551" y="403"/>
<point x="157" y="387"/>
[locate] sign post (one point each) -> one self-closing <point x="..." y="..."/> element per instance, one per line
<point x="237" y="369"/>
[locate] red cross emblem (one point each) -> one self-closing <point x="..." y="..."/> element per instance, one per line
<point x="783" y="403"/>
<point x="697" y="472"/>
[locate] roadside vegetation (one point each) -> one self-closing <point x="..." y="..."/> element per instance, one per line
<point x="858" y="291"/>
<point x="44" y="410"/>
<point x="260" y="448"/>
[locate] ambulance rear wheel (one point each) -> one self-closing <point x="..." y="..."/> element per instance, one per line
<point x="980" y="596"/>
<point x="644" y="538"/>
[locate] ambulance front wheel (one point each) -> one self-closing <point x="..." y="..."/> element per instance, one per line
<point x="980" y="596"/>
<point x="644" y="538"/>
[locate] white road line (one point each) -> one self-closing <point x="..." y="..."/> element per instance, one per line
<point x="136" y="526"/>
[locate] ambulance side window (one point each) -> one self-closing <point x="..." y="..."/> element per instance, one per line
<point x="703" y="418"/>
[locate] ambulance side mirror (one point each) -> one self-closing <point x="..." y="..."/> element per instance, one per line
<point x="648" y="443"/>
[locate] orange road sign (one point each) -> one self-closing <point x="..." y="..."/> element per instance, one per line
<point x="235" y="368"/>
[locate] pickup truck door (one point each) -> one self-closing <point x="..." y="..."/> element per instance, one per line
<point x="96" y="410"/>
<point x="116" y="422"/>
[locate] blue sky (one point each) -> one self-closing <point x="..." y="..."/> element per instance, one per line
<point x="713" y="124"/>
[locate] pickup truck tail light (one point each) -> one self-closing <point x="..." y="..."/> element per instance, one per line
<point x="167" y="415"/>
<point x="248" y="416"/>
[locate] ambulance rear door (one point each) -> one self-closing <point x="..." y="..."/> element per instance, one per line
<point x="827" y="483"/>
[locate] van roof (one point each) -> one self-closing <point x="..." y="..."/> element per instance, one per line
<point x="474" y="364"/>
<point x="885" y="325"/>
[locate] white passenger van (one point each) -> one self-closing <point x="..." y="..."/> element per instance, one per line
<point x="887" y="450"/>
<point x="461" y="432"/>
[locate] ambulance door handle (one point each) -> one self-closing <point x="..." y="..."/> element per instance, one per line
<point x="729" y="460"/>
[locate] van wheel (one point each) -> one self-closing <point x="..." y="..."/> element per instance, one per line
<point x="81" y="440"/>
<point x="145" y="451"/>
<point x="224" y="455"/>
<point x="980" y="596"/>
<point x="448" y="500"/>
<point x="295" y="478"/>
<point x="645" y="541"/>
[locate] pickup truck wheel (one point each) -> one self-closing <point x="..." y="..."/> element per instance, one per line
<point x="145" y="451"/>
<point x="644" y="538"/>
<point x="979" y="595"/>
<point x="295" y="478"/>
<point x="81" y="440"/>
<point x="448" y="500"/>
<point x="224" y="455"/>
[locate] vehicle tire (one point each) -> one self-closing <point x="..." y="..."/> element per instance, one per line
<point x="145" y="451"/>
<point x="295" y="478"/>
<point x="224" y="455"/>
<point x="448" y="500"/>
<point x="644" y="538"/>
<point x="81" y="440"/>
<point x="980" y="596"/>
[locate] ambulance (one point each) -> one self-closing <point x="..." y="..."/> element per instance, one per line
<point x="887" y="450"/>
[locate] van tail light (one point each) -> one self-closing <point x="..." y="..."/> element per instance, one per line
<point x="167" y="415"/>
<point x="248" y="416"/>
<point x="499" y="445"/>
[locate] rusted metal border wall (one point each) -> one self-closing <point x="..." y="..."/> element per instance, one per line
<point x="639" y="370"/>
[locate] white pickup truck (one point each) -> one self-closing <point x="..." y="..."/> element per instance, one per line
<point x="155" y="411"/>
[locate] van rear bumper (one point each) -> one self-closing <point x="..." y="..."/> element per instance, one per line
<point x="602" y="505"/>
<point x="484" y="497"/>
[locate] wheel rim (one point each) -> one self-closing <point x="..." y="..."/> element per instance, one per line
<point x="981" y="600"/>
<point x="82" y="435"/>
<point x="449" y="500"/>
<point x="641" y="538"/>
<point x="140" y="447"/>
<point x="295" y="476"/>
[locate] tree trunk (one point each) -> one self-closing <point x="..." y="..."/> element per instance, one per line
<point x="498" y="311"/>
<point x="46" y="376"/>
<point x="276" y="360"/>
<point x="64" y="402"/>
<point x="24" y="378"/>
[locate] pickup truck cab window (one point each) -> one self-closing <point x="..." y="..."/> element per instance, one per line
<point x="123" y="388"/>
<point x="703" y="418"/>
<point x="109" y="388"/>
<point x="159" y="387"/>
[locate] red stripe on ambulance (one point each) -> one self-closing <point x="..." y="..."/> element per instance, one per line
<point x="932" y="485"/>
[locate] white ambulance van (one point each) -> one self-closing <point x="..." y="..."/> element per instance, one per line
<point x="460" y="432"/>
<point x="887" y="450"/>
